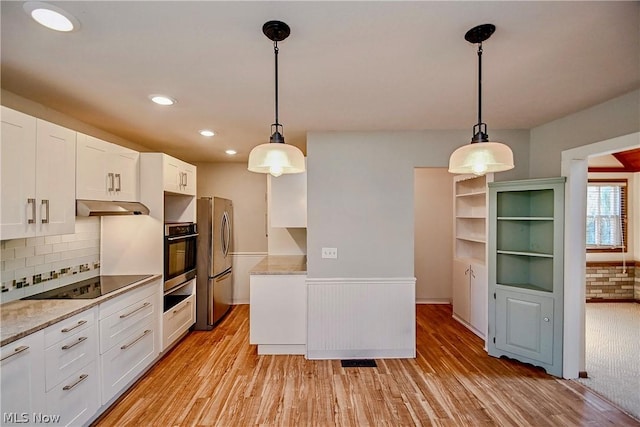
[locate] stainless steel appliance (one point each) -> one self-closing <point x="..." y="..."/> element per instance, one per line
<point x="214" y="291"/>
<point x="180" y="240"/>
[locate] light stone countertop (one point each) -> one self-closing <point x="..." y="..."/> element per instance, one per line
<point x="281" y="264"/>
<point x="23" y="317"/>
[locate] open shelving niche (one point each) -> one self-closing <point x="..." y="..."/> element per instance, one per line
<point x="469" y="276"/>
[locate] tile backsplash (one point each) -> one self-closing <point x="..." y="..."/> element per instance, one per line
<point x="38" y="264"/>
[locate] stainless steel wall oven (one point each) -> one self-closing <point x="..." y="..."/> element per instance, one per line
<point x="179" y="253"/>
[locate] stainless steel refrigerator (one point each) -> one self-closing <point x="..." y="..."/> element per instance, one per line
<point x="214" y="291"/>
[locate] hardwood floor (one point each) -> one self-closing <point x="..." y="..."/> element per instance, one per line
<point x="216" y="379"/>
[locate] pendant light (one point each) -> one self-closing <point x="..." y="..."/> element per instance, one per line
<point x="276" y="157"/>
<point x="481" y="156"/>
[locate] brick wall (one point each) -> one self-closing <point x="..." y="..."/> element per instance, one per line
<point x="612" y="281"/>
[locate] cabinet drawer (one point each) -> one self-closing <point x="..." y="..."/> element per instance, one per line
<point x="129" y="357"/>
<point x="118" y="303"/>
<point x="67" y="356"/>
<point x="124" y="322"/>
<point x="76" y="399"/>
<point x="67" y="327"/>
<point x="178" y="319"/>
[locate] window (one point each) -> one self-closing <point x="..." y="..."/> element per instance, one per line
<point x="607" y="215"/>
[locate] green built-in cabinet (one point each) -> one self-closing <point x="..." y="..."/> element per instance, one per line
<point x="525" y="261"/>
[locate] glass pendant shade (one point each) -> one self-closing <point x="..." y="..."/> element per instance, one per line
<point x="276" y="159"/>
<point x="480" y="158"/>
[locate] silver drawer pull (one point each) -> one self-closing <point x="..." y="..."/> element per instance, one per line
<point x="181" y="308"/>
<point x="68" y="346"/>
<point x="16" y="351"/>
<point x="80" y="323"/>
<point x="78" y="381"/>
<point x="146" y="304"/>
<point x="126" y="346"/>
<point x="44" y="220"/>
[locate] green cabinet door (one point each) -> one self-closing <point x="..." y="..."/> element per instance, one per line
<point x="524" y="325"/>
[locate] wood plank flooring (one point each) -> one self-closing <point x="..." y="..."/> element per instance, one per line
<point x="216" y="379"/>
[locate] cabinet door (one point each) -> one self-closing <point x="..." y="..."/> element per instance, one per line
<point x="92" y="180"/>
<point x="288" y="200"/>
<point x="22" y="379"/>
<point x="77" y="398"/>
<point x="478" y="298"/>
<point x="524" y="325"/>
<point x="188" y="179"/>
<point x="55" y="178"/>
<point x="171" y="174"/>
<point x="125" y="166"/>
<point x="18" y="185"/>
<point x="460" y="290"/>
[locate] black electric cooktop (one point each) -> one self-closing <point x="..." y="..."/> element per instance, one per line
<point x="90" y="288"/>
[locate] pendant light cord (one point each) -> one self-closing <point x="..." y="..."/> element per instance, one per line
<point x="479" y="83"/>
<point x="275" y="52"/>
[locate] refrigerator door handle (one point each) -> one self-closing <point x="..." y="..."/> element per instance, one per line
<point x="222" y="226"/>
<point x="227" y="233"/>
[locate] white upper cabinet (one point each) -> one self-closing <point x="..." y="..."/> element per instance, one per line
<point x="38" y="177"/>
<point x="106" y="171"/>
<point x="179" y="176"/>
<point x="288" y="200"/>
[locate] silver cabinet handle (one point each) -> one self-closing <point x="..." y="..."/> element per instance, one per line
<point x="111" y="182"/>
<point x="119" y="188"/>
<point x="32" y="202"/>
<point x="16" y="351"/>
<point x="78" y="381"/>
<point x="186" y="183"/>
<point x="126" y="346"/>
<point x="467" y="271"/>
<point x="146" y="304"/>
<point x="546" y="319"/>
<point x="181" y="308"/>
<point x="472" y="273"/>
<point x="45" y="202"/>
<point x="80" y="323"/>
<point x="68" y="346"/>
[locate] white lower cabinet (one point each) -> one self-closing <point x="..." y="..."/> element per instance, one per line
<point x="470" y="295"/>
<point x="76" y="398"/>
<point x="177" y="320"/>
<point x="124" y="361"/>
<point x="129" y="337"/>
<point x="22" y="379"/>
<point x="278" y="313"/>
<point x="71" y="377"/>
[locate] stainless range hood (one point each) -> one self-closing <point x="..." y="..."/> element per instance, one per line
<point x="104" y="208"/>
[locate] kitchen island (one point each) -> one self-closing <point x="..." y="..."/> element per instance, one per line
<point x="278" y="305"/>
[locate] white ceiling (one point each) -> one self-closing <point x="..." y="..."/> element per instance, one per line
<point x="346" y="66"/>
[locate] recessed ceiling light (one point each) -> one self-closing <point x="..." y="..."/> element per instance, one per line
<point x="207" y="132"/>
<point x="162" y="99"/>
<point x="231" y="152"/>
<point x="51" y="17"/>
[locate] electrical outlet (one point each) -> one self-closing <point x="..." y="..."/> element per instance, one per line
<point x="330" y="253"/>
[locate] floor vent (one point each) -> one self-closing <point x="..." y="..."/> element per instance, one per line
<point x="359" y="363"/>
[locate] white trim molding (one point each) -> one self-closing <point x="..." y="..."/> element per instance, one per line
<point x="361" y="318"/>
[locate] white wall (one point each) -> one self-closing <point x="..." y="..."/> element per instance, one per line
<point x="360" y="200"/>
<point x="433" y="199"/>
<point x="248" y="192"/>
<point x="360" y="195"/>
<point x="617" y="117"/>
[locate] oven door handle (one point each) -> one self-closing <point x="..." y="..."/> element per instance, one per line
<point x="174" y="238"/>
